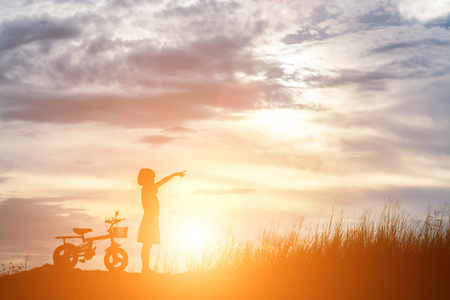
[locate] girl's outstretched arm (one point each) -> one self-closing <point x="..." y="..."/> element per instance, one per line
<point x="165" y="179"/>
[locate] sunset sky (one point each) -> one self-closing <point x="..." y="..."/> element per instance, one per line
<point x="273" y="107"/>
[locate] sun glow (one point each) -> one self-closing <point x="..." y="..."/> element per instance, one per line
<point x="193" y="236"/>
<point x="282" y="123"/>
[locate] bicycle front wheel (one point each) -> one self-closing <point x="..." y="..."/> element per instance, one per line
<point x="116" y="259"/>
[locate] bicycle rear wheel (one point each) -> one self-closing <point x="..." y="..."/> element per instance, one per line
<point x="65" y="256"/>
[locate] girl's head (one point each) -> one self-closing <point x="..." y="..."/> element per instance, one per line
<point x="146" y="176"/>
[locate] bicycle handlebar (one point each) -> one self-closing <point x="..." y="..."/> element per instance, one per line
<point x="113" y="221"/>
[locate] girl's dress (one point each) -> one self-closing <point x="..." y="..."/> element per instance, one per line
<point x="149" y="229"/>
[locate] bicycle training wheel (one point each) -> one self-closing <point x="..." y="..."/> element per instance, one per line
<point x="116" y="259"/>
<point x="65" y="256"/>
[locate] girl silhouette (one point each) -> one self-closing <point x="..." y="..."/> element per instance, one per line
<point x="149" y="233"/>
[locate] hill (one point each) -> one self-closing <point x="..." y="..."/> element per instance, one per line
<point x="389" y="256"/>
<point x="390" y="281"/>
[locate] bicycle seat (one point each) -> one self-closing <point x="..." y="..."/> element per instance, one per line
<point x="82" y="230"/>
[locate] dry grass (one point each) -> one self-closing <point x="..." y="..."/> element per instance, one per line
<point x="163" y="264"/>
<point x="371" y="238"/>
<point x="389" y="255"/>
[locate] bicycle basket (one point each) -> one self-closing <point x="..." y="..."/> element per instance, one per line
<point x="120" y="232"/>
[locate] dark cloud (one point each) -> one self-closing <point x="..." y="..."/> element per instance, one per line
<point x="310" y="31"/>
<point x="410" y="44"/>
<point x="380" y="16"/>
<point x="315" y="27"/>
<point x="190" y="80"/>
<point x="374" y="80"/>
<point x="100" y="57"/>
<point x="23" y="31"/>
<point x="219" y="55"/>
<point x="149" y="111"/>
<point x="209" y="18"/>
<point x="371" y="77"/>
<point x="440" y="22"/>
<point x="192" y="102"/>
<point x="198" y="10"/>
<point x="304" y="36"/>
<point x="377" y="78"/>
<point x="187" y="74"/>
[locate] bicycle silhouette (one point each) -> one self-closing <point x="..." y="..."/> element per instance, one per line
<point x="67" y="255"/>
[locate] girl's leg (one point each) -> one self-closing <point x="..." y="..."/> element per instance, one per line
<point x="145" y="256"/>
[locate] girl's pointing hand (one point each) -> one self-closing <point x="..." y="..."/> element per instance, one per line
<point x="181" y="174"/>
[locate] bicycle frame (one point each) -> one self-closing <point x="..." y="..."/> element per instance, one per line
<point x="92" y="239"/>
<point x="87" y="243"/>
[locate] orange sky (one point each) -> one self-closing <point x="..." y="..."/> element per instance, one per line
<point x="272" y="107"/>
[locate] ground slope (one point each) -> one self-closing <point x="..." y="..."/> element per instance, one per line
<point x="344" y="282"/>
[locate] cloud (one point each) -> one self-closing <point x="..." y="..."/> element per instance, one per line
<point x="383" y="15"/>
<point x="410" y="137"/>
<point x="156" y="139"/>
<point x="310" y="28"/>
<point x="297" y="106"/>
<point x="415" y="200"/>
<point x="377" y="77"/>
<point x="370" y="57"/>
<point x="187" y="77"/>
<point x="180" y="129"/>
<point x="207" y="18"/>
<point x="180" y="99"/>
<point x="424" y="11"/>
<point x="22" y="31"/>
<point x="401" y="133"/>
<point x="231" y="191"/>
<point x="329" y="20"/>
<point x="116" y="110"/>
<point x="405" y="45"/>
<point x="218" y="54"/>
<point x="164" y="83"/>
<point x="375" y="80"/>
<point x="28" y="225"/>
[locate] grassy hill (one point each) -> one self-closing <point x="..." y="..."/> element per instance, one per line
<point x="388" y="256"/>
